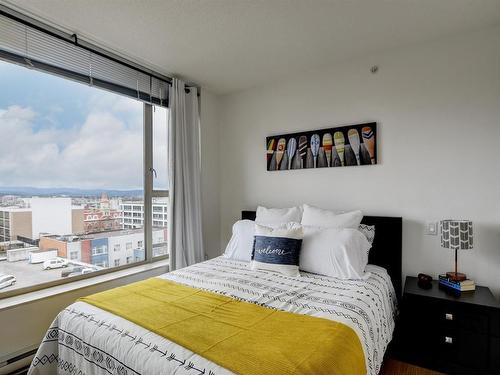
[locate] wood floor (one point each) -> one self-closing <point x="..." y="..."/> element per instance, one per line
<point x="393" y="367"/>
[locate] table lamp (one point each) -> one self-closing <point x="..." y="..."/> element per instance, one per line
<point x="456" y="235"/>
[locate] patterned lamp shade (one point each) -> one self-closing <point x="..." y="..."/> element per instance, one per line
<point x="456" y="234"/>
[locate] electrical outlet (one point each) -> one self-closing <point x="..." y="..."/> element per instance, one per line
<point x="431" y="228"/>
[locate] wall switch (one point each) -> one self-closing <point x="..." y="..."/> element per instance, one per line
<point x="431" y="228"/>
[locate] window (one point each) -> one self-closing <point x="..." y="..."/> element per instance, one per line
<point x="67" y="131"/>
<point x="160" y="197"/>
<point x="99" y="250"/>
<point x="63" y="127"/>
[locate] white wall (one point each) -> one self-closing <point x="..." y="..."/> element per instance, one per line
<point x="74" y="247"/>
<point x="51" y="215"/>
<point x="437" y="107"/>
<point x="210" y="176"/>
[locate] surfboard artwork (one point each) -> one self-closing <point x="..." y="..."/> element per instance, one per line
<point x="343" y="146"/>
<point x="309" y="159"/>
<point x="315" y="148"/>
<point x="339" y="140"/>
<point x="302" y="149"/>
<point x="335" y="158"/>
<point x="369" y="141"/>
<point x="271" y="145"/>
<point x="290" y="150"/>
<point x="321" y="159"/>
<point x="353" y="136"/>
<point x="327" y="146"/>
<point x="280" y="150"/>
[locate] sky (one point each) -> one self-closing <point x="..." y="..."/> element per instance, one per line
<point x="58" y="133"/>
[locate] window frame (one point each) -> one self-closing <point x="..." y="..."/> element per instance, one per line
<point x="149" y="193"/>
<point x="154" y="193"/>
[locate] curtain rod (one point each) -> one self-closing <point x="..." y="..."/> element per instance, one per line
<point x="74" y="39"/>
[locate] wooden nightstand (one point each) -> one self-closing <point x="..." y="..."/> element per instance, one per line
<point x="455" y="335"/>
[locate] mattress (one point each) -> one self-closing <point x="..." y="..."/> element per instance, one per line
<point x="84" y="339"/>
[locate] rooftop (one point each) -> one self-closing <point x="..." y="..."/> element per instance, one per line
<point x="97" y="235"/>
<point x="28" y="209"/>
<point x="15" y="209"/>
<point x="9" y="245"/>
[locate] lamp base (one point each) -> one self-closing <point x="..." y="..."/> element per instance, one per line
<point x="456" y="276"/>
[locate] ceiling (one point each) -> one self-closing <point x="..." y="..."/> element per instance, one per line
<point x="232" y="45"/>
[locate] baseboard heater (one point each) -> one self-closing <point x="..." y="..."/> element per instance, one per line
<point x="18" y="357"/>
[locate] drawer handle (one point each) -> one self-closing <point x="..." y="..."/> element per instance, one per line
<point x="448" y="316"/>
<point x="448" y="340"/>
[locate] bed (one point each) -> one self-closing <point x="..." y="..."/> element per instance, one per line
<point x="84" y="339"/>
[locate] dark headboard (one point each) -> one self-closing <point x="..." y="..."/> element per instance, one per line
<point x="387" y="246"/>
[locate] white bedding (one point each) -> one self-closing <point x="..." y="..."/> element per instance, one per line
<point x="84" y="339"/>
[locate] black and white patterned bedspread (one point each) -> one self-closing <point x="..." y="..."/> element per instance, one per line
<point x="84" y="339"/>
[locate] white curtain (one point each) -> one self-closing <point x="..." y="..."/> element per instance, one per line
<point x="186" y="241"/>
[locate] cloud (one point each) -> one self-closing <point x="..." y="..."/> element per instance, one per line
<point x="104" y="151"/>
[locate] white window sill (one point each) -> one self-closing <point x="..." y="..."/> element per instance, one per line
<point x="79" y="284"/>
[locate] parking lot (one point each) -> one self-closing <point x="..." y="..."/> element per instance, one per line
<point x="27" y="274"/>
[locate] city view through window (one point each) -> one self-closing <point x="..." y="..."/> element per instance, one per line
<point x="71" y="179"/>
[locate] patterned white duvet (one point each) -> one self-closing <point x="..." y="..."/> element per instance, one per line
<point x="84" y="339"/>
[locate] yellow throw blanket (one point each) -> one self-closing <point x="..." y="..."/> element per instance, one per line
<point x="242" y="337"/>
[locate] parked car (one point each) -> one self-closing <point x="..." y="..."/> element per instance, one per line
<point x="6" y="280"/>
<point x="82" y="271"/>
<point x="55" y="263"/>
<point x="69" y="271"/>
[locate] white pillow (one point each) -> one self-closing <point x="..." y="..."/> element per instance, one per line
<point x="240" y="246"/>
<point x="277" y="216"/>
<point x="278" y="249"/>
<point x="318" y="217"/>
<point x="335" y="252"/>
<point x="368" y="231"/>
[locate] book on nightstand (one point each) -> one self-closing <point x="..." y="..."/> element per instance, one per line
<point x="456" y="286"/>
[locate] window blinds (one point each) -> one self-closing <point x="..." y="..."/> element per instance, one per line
<point x="37" y="48"/>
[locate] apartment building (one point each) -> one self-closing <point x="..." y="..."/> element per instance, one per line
<point x="106" y="249"/>
<point x="41" y="216"/>
<point x="132" y="213"/>
<point x="14" y="222"/>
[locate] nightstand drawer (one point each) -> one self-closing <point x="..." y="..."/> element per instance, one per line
<point x="450" y="317"/>
<point x="465" y="348"/>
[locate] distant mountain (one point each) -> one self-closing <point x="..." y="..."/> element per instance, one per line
<point x="70" y="192"/>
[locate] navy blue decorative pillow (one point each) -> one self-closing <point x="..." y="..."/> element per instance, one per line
<point x="278" y="249"/>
